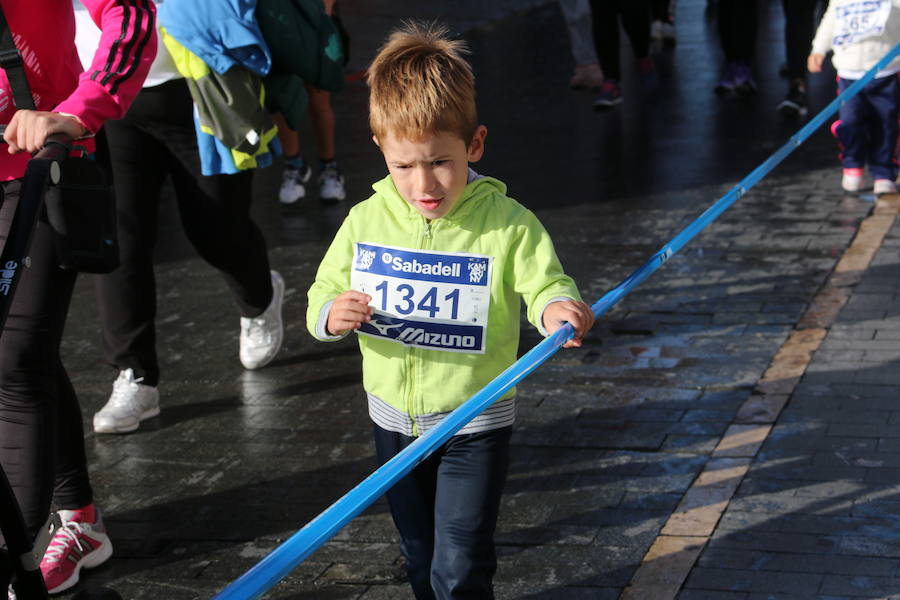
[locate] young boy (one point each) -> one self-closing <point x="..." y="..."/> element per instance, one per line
<point x="429" y="270"/>
<point x="861" y="32"/>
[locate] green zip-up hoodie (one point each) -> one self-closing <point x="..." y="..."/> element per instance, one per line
<point x="419" y="381"/>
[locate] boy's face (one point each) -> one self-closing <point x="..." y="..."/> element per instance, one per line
<point x="431" y="173"/>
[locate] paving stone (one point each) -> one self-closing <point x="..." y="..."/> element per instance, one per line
<point x="387" y="592"/>
<point x="711" y="595"/>
<point x="788" y="596"/>
<point x="858" y="585"/>
<point x="870" y="546"/>
<point x="774" y="541"/>
<point x="753" y="581"/>
<point x="549" y="592"/>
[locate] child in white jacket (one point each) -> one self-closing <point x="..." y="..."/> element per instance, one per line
<point x="861" y="32"/>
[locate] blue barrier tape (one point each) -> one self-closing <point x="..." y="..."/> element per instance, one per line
<point x="298" y="547"/>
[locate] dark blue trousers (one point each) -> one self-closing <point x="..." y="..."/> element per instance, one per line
<point x="446" y="512"/>
<point x="868" y="129"/>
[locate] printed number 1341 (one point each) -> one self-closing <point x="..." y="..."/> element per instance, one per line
<point x="404" y="300"/>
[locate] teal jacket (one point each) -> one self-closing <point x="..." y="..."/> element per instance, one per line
<point x="419" y="381"/>
<point x="306" y="49"/>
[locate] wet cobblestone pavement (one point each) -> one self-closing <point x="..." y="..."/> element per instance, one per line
<point x="614" y="442"/>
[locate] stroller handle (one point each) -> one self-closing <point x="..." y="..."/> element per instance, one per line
<point x="56" y="146"/>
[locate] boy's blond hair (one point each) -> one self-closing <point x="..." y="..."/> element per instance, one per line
<point x="420" y="84"/>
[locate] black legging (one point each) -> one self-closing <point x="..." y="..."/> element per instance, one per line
<point x="799" y="30"/>
<point x="737" y="29"/>
<point x="41" y="435"/>
<point x="635" y="15"/>
<point x="154" y="140"/>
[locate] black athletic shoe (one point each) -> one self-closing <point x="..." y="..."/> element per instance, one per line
<point x="794" y="105"/>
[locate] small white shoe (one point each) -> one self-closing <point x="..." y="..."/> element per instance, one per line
<point x="331" y="185"/>
<point x="261" y="336"/>
<point x="667" y="32"/>
<point x="852" y="180"/>
<point x="293" y="186"/>
<point x="130" y="403"/>
<point x="884" y="186"/>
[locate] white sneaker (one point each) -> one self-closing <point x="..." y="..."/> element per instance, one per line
<point x="130" y="403"/>
<point x="667" y="32"/>
<point x="884" y="186"/>
<point x="292" y="180"/>
<point x="662" y="31"/>
<point x="261" y="336"/>
<point x="852" y="180"/>
<point x="331" y="184"/>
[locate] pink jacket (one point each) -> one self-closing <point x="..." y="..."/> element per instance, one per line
<point x="44" y="32"/>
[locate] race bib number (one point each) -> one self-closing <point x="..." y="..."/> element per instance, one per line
<point x="859" y="20"/>
<point x="434" y="300"/>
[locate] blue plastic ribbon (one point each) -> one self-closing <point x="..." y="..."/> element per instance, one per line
<point x="298" y="547"/>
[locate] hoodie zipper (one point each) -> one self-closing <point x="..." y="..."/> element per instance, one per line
<point x="415" y="362"/>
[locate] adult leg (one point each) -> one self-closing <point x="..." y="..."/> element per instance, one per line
<point x="470" y="482"/>
<point x="636" y="22"/>
<point x="6" y="569"/>
<point x="744" y="28"/>
<point x="605" y="16"/>
<point x="215" y="210"/>
<point x="36" y="400"/>
<point x="126" y="298"/>
<point x="737" y="33"/>
<point x="799" y="29"/>
<point x="660" y="10"/>
<point x="577" y="14"/>
<point x="411" y="502"/>
<point x="725" y="24"/>
<point x="72" y="488"/>
<point x="737" y="24"/>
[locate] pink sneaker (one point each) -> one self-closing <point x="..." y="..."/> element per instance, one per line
<point x="74" y="545"/>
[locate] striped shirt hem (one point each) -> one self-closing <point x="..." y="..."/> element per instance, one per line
<point x="498" y="415"/>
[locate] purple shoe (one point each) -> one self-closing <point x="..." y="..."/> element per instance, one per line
<point x="726" y="82"/>
<point x="743" y="80"/>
